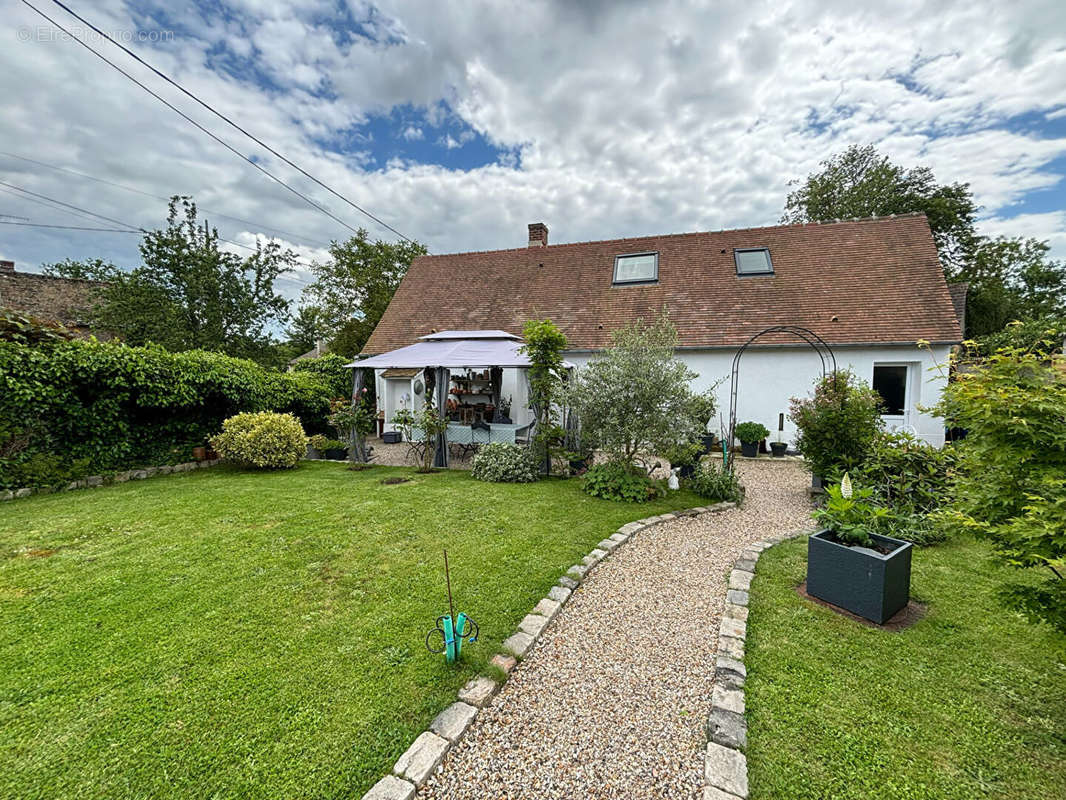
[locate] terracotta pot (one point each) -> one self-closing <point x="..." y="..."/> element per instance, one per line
<point x="199" y="453"/>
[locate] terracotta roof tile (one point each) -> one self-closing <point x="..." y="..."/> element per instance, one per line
<point x="864" y="281"/>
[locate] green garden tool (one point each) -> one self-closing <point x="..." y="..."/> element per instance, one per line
<point x="450" y="629"/>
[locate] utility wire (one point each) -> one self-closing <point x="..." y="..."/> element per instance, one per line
<point x="226" y="119"/>
<point x="47" y="205"/>
<point x="193" y="122"/>
<point x="133" y="228"/>
<point x="70" y="205"/>
<point x="65" y="227"/>
<point x="164" y="199"/>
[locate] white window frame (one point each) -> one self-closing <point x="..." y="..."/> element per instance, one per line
<point x="910" y="401"/>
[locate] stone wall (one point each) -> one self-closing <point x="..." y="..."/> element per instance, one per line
<point x="60" y="300"/>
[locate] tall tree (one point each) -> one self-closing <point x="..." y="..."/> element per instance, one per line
<point x="189" y="293"/>
<point x="305" y="329"/>
<point x="354" y="287"/>
<point x="860" y="182"/>
<point x="1009" y="278"/>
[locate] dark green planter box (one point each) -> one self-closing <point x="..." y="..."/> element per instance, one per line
<point x="336" y="454"/>
<point x="864" y="582"/>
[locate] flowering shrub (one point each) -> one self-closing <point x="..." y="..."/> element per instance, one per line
<point x="838" y="424"/>
<point x="504" y="462"/>
<point x="264" y="440"/>
<point x="848" y="517"/>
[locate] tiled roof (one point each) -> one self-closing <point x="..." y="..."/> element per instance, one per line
<point x="866" y="281"/>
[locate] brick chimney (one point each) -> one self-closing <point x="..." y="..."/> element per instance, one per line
<point x="538" y="234"/>
<point x="9" y="266"/>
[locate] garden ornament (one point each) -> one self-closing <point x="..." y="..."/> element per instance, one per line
<point x="449" y="628"/>
<point x="672" y="483"/>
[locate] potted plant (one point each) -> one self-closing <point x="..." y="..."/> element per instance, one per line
<point x="332" y="449"/>
<point x="750" y="435"/>
<point x="778" y="446"/>
<point x="685" y="457"/>
<point x="503" y="413"/>
<point x="702" y="407"/>
<point x="850" y="565"/>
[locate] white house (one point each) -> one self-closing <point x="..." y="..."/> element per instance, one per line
<point x="872" y="289"/>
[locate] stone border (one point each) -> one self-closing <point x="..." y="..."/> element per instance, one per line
<point x="93" y="481"/>
<point x="426" y="753"/>
<point x="725" y="766"/>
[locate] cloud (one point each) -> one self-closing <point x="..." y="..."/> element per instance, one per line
<point x="616" y="119"/>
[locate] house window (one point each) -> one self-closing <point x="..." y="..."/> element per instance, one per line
<point x="753" y="261"/>
<point x="636" y="268"/>
<point x="890" y="381"/>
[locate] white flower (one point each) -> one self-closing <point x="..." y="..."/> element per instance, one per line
<point x="845" y="486"/>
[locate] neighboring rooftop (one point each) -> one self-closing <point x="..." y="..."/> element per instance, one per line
<point x="869" y="281"/>
<point x="62" y="300"/>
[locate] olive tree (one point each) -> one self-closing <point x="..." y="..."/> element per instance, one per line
<point x="634" y="400"/>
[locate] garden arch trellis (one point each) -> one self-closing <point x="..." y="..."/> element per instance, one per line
<point x="817" y="343"/>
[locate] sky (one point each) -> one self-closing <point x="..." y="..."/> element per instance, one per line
<point x="460" y="123"/>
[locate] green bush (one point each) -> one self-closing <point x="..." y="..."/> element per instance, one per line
<point x="911" y="479"/>
<point x="43" y="470"/>
<point x="906" y="473"/>
<point x="617" y="480"/>
<point x="321" y="443"/>
<point x="1010" y="486"/>
<point x="331" y="371"/>
<point x="751" y="432"/>
<point x="263" y="440"/>
<point x="838" y="424"/>
<point x="503" y="462"/>
<point x="713" y="482"/>
<point x="120" y="407"/>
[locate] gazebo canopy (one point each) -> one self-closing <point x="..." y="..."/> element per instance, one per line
<point x="454" y="350"/>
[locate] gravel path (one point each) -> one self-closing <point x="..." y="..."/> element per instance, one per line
<point x="612" y="701"/>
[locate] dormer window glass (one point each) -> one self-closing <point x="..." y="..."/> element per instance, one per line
<point x="636" y="268"/>
<point x="753" y="261"/>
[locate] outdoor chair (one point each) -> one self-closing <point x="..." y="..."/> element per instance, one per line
<point x="461" y="437"/>
<point x="416" y="444"/>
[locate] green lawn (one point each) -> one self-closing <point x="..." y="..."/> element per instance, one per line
<point x="968" y="703"/>
<point x="225" y="634"/>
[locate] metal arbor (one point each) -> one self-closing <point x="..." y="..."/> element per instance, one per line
<point x="820" y="346"/>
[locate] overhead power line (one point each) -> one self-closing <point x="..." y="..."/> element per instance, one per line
<point x="161" y="197"/>
<point x="193" y="122"/>
<point x="132" y="228"/>
<point x="47" y="204"/>
<point x="65" y="227"/>
<point x="135" y="228"/>
<point x="227" y="120"/>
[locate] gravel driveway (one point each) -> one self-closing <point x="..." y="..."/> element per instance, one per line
<point x="612" y="701"/>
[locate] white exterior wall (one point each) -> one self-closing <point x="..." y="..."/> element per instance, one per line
<point x="770" y="376"/>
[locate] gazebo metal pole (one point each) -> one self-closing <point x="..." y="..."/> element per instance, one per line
<point x="440" y="457"/>
<point x="357" y="451"/>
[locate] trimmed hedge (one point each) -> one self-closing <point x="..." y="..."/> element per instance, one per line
<point x="113" y="407"/>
